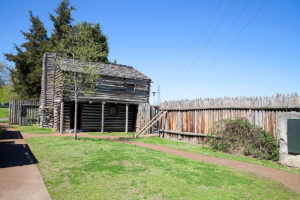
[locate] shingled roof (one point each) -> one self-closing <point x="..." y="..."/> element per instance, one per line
<point x="112" y="70"/>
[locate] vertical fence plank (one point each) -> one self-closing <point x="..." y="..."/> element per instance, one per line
<point x="201" y="114"/>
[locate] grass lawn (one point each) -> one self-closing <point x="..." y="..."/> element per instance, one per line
<point x="114" y="133"/>
<point x="92" y="168"/>
<point x="204" y="150"/>
<point x="3" y="112"/>
<point x="33" y="129"/>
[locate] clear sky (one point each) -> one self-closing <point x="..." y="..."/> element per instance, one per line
<point x="191" y="48"/>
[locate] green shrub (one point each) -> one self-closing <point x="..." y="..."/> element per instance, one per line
<point x="240" y="137"/>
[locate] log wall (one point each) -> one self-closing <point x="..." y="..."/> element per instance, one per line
<point x="191" y="120"/>
<point x="90" y="116"/>
<point x="114" y="89"/>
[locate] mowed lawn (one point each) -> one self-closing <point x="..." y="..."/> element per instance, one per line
<point x="4" y="115"/>
<point x="3" y="112"/>
<point x="206" y="150"/>
<point x="112" y="133"/>
<point x="32" y="129"/>
<point x="92" y="168"/>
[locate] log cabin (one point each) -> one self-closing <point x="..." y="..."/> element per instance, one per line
<point x="113" y="106"/>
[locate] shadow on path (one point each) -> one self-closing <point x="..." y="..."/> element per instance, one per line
<point x="13" y="150"/>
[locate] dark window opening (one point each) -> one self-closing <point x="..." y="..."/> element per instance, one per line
<point x="113" y="110"/>
<point x="130" y="87"/>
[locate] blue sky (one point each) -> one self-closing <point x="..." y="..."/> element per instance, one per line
<point x="192" y="49"/>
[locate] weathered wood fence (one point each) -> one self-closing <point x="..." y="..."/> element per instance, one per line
<point x="144" y="115"/>
<point x="191" y="120"/>
<point x="23" y="112"/>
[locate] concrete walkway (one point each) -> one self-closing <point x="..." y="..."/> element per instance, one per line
<point x="19" y="176"/>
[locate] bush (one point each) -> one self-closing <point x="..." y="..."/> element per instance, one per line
<point x="240" y="137"/>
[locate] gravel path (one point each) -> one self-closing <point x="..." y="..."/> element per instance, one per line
<point x="19" y="177"/>
<point x="290" y="180"/>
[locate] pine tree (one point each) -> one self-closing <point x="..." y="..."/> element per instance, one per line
<point x="26" y="77"/>
<point x="62" y="23"/>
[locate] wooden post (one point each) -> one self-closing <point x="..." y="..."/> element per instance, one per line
<point x="102" y="118"/>
<point x="179" y="121"/>
<point x="126" y="123"/>
<point x="195" y="124"/>
<point x="61" y="129"/>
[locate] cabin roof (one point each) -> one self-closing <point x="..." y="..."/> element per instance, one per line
<point x="112" y="70"/>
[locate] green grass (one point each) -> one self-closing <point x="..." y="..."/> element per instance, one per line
<point x="33" y="129"/>
<point x="3" y="112"/>
<point x="92" y="168"/>
<point x="3" y="121"/>
<point x="113" y="133"/>
<point x="205" y="150"/>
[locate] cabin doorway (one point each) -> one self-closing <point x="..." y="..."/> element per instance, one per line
<point x="72" y="115"/>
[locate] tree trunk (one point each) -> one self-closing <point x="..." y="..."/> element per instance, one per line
<point x="76" y="106"/>
<point x="75" y="120"/>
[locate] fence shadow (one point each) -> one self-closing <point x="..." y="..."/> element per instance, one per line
<point x="13" y="154"/>
<point x="11" y="135"/>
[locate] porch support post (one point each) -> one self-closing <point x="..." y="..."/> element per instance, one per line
<point x="102" y="118"/>
<point x="61" y="128"/>
<point x="126" y="123"/>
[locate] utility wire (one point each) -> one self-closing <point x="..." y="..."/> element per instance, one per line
<point x="205" y="29"/>
<point x="211" y="36"/>
<point x="227" y="31"/>
<point x="241" y="30"/>
<point x="204" y="16"/>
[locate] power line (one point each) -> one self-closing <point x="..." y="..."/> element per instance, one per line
<point x="211" y="36"/>
<point x="207" y="25"/>
<point x="229" y="29"/>
<point x="195" y="33"/>
<point x="241" y="30"/>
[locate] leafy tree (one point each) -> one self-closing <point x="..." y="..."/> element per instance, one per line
<point x="26" y="77"/>
<point x="115" y="61"/>
<point x="62" y="22"/>
<point x="80" y="81"/>
<point x="95" y="43"/>
<point x="3" y="74"/>
<point x="6" y="94"/>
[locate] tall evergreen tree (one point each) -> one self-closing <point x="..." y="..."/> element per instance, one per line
<point x="26" y="77"/>
<point x="62" y="23"/>
<point x="90" y="43"/>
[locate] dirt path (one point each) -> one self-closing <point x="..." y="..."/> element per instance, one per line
<point x="290" y="180"/>
<point x="19" y="177"/>
<point x="287" y="179"/>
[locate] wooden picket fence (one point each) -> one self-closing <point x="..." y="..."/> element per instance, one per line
<point x="23" y="112"/>
<point x="191" y="120"/>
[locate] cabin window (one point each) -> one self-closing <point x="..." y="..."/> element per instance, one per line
<point x="130" y="87"/>
<point x="113" y="110"/>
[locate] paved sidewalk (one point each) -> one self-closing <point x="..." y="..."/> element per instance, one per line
<point x="19" y="176"/>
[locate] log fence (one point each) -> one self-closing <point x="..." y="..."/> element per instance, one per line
<point x="23" y="112"/>
<point x="191" y="120"/>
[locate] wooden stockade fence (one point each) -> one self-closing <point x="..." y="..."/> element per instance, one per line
<point x="23" y="112"/>
<point x="145" y="114"/>
<point x="191" y="120"/>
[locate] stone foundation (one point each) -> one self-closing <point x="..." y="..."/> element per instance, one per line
<point x="46" y="117"/>
<point x="285" y="158"/>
